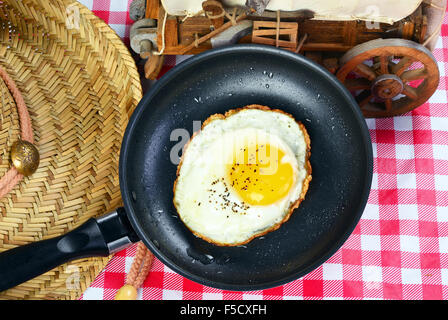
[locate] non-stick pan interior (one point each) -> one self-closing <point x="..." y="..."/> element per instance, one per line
<point x="214" y="82"/>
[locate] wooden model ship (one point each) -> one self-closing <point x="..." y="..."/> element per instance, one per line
<point x="380" y="49"/>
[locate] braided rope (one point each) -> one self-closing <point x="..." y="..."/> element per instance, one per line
<point x="140" y="266"/>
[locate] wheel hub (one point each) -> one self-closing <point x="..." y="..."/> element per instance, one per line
<point x="387" y="86"/>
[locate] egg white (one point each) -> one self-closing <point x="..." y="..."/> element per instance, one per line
<point x="204" y="199"/>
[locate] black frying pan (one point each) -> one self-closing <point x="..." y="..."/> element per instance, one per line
<point x="214" y="82"/>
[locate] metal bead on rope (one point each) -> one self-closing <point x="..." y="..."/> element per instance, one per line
<point x="24" y="154"/>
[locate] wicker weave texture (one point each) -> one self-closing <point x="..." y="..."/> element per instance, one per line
<point x="80" y="84"/>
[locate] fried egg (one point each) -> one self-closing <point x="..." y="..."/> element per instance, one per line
<point x="242" y="175"/>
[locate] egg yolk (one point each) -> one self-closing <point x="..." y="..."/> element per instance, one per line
<point x="258" y="174"/>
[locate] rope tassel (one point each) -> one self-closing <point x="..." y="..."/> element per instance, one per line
<point x="137" y="274"/>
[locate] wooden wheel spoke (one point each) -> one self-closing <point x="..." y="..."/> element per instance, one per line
<point x="365" y="71"/>
<point x="388" y="103"/>
<point x="410" y="92"/>
<point x="402" y="66"/>
<point x="412" y="75"/>
<point x="357" y="84"/>
<point x="384" y="64"/>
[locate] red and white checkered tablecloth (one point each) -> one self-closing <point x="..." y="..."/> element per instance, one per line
<point x="399" y="250"/>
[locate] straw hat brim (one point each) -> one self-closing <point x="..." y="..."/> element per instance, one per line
<point x="80" y="84"/>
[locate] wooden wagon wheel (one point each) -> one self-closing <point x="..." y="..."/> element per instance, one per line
<point x="389" y="77"/>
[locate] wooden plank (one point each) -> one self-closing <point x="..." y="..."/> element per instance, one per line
<point x="350" y="33"/>
<point x="178" y="50"/>
<point x="323" y="31"/>
<point x="194" y="25"/>
<point x="273" y="32"/>
<point x="160" y="30"/>
<point x="272" y="42"/>
<point x="339" y="47"/>
<point x="171" y="32"/>
<point x="273" y="24"/>
<point x="152" y="9"/>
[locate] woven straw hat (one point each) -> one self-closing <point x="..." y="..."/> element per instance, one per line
<point x="80" y="85"/>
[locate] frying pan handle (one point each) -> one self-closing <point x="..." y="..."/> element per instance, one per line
<point x="96" y="237"/>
